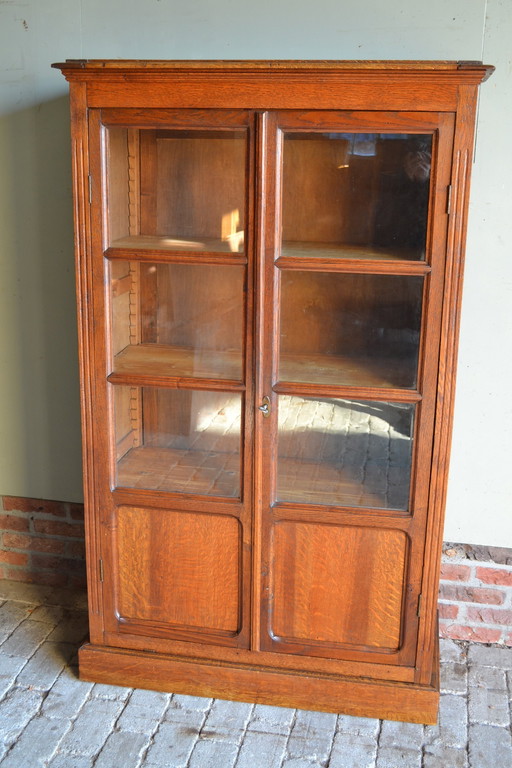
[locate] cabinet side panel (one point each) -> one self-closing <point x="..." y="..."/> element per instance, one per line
<point x="179" y="569"/>
<point x="338" y="584"/>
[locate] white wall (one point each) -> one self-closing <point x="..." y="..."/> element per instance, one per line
<point x="39" y="420"/>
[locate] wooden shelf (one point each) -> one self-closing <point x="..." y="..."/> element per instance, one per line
<point x="351" y="371"/>
<point x="150" y="361"/>
<point x="314" y="250"/>
<point x="234" y="244"/>
<point x="209" y="473"/>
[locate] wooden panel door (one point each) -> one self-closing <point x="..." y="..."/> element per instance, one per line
<point x="173" y="373"/>
<point x="354" y="246"/>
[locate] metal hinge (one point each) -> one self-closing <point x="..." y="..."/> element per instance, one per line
<point x="100" y="563"/>
<point x="449" y="200"/>
<point x="90" y="189"/>
<point x="418" y="611"/>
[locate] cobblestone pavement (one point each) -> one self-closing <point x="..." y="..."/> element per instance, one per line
<point x="50" y="718"/>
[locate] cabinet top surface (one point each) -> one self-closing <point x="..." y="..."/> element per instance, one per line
<point x="113" y="66"/>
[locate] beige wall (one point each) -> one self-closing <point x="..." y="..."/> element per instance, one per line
<point x="39" y="419"/>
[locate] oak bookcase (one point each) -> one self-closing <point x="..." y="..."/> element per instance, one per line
<point x="269" y="264"/>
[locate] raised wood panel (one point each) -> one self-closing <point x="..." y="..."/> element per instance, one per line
<point x="180" y="569"/>
<point x="337" y="585"/>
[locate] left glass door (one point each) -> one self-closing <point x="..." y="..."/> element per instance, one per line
<point x="174" y="373"/>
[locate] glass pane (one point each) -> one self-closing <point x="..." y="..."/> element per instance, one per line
<point x="177" y="319"/>
<point x="178" y="440"/>
<point x="178" y="190"/>
<point x="352" y="195"/>
<point x="344" y="453"/>
<point x="345" y="329"/>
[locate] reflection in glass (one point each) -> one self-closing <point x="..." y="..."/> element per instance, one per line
<point x="344" y="453"/>
<point x="178" y="440"/>
<point x="177" y="319"/>
<point x="350" y="195"/>
<point x="345" y="329"/>
<point x="176" y="189"/>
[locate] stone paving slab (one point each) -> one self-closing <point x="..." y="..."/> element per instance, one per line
<point x="50" y="719"/>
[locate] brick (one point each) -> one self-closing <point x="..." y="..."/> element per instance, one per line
<point x="14" y="523"/>
<point x="75" y="549"/>
<point x="16" y="709"/>
<point x="489" y="746"/>
<point x="172" y="744"/>
<point x="207" y="754"/>
<point x="487" y="677"/>
<point x="71" y="761"/>
<point x="112" y="692"/>
<point x="92" y="727"/>
<point x="143" y="711"/>
<point x="199" y="703"/>
<point x="37" y="743"/>
<point x="66" y="696"/>
<point x="59" y="528"/>
<point x="472" y="594"/>
<point x="271" y="719"/>
<point x="122" y="748"/>
<point x="488" y="706"/>
<point x="453" y="651"/>
<point x="490" y="657"/>
<point x="193" y="718"/>
<point x="439" y="756"/>
<point x="312" y="736"/>
<point x="353" y="751"/>
<point x="453" y="572"/>
<point x="10" y="666"/>
<point x="359" y="726"/>
<point x="76" y="511"/>
<point x="45" y="666"/>
<point x="451" y="729"/>
<point x="498" y="576"/>
<point x="259" y="748"/>
<point x="454" y="677"/>
<point x="13" y="558"/>
<point x="26" y="638"/>
<point x="72" y="629"/>
<point x="48" y="614"/>
<point x="448" y="611"/>
<point x="401" y="735"/>
<point x="52" y="563"/>
<point x="34" y="543"/>
<point x="394" y="757"/>
<point x="44" y="578"/>
<point x="476" y="634"/>
<point x="22" y="504"/>
<point x="490" y="616"/>
<point x="226" y="721"/>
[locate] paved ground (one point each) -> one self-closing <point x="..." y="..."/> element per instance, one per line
<point x="49" y="718"/>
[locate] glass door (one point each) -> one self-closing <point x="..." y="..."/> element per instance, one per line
<point x="177" y="373"/>
<point x="355" y="277"/>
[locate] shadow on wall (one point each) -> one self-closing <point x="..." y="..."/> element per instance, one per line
<point x="39" y="409"/>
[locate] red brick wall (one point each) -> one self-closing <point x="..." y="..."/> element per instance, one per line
<point x="42" y="542"/>
<point x="475" y="597"/>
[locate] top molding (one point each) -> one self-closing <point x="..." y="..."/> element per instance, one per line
<point x="340" y="85"/>
<point x="480" y="71"/>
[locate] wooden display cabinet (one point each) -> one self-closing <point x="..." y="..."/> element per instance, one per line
<point x="269" y="273"/>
